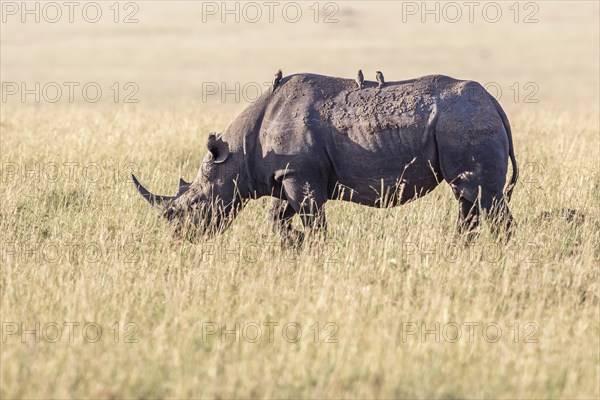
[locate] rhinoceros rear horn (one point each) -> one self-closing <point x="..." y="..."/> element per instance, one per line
<point x="218" y="148"/>
<point x="154" y="200"/>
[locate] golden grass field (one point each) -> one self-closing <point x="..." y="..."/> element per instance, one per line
<point x="373" y="313"/>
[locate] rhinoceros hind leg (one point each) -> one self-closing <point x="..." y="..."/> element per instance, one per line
<point x="476" y="170"/>
<point x="468" y="218"/>
<point x="498" y="213"/>
<point x="494" y="209"/>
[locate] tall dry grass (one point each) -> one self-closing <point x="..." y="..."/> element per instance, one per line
<point x="378" y="306"/>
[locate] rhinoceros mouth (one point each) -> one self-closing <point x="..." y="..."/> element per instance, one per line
<point x="194" y="216"/>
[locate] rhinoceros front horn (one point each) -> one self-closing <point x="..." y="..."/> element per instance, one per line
<point x="154" y="200"/>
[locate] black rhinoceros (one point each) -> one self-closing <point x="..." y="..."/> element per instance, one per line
<point x="319" y="138"/>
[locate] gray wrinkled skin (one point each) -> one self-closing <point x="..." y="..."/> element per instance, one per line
<point x="317" y="138"/>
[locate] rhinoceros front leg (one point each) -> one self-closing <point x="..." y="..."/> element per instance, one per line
<point x="307" y="200"/>
<point x="280" y="217"/>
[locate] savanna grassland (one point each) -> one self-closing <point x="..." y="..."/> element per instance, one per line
<point x="393" y="305"/>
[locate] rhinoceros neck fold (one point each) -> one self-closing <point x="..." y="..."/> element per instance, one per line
<point x="248" y="168"/>
<point x="246" y="128"/>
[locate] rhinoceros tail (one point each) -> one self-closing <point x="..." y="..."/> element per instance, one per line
<point x="511" y="151"/>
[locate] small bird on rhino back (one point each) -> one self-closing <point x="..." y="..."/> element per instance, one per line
<point x="277" y="79"/>
<point x="360" y="79"/>
<point x="380" y="80"/>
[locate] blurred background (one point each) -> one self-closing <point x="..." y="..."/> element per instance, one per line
<point x="528" y="54"/>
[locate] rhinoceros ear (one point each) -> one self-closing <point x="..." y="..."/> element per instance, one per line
<point x="218" y="148"/>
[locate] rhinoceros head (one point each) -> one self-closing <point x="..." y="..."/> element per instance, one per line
<point x="207" y="205"/>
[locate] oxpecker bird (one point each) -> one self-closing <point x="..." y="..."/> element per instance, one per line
<point x="360" y="79"/>
<point x="277" y="79"/>
<point x="380" y="80"/>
